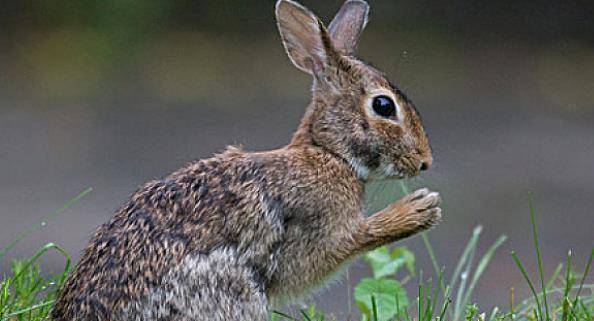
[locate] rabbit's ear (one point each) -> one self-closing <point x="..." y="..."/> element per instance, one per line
<point x="347" y="25"/>
<point x="305" y="38"/>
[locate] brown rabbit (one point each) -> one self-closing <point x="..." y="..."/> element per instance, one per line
<point x="226" y="237"/>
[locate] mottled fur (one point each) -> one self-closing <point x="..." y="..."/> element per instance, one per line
<point x="226" y="237"/>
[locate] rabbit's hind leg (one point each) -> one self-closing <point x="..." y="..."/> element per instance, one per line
<point x="215" y="287"/>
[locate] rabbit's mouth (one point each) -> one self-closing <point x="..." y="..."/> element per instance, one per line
<point x="393" y="171"/>
<point x="400" y="168"/>
<point x="405" y="173"/>
<point x="405" y="170"/>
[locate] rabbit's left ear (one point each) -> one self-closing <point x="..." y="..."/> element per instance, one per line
<point x="347" y="25"/>
<point x="305" y="38"/>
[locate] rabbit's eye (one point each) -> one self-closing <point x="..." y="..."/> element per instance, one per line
<point x="384" y="106"/>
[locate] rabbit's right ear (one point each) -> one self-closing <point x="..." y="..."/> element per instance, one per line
<point x="304" y="36"/>
<point x="347" y="25"/>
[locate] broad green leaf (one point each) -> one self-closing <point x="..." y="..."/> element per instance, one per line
<point x="385" y="292"/>
<point x="408" y="257"/>
<point x="383" y="263"/>
<point x="378" y="259"/>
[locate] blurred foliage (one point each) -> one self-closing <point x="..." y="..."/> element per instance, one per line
<point x="543" y="18"/>
<point x="189" y="51"/>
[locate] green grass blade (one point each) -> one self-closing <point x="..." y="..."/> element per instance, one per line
<point x="374" y="308"/>
<point x="554" y="276"/>
<point x="432" y="257"/>
<point x="526" y="305"/>
<point x="438" y="290"/>
<point x="466" y="255"/>
<point x="27" y="310"/>
<point x="40" y="253"/>
<point x="49" y="217"/>
<point x="523" y="270"/>
<point x="494" y="313"/>
<point x="286" y="316"/>
<point x="565" y="305"/>
<point x="464" y="276"/>
<point x="483" y="263"/>
<point x="538" y="255"/>
<point x="586" y="272"/>
<point x="304" y="314"/>
<point x="586" y="311"/>
<point x="444" y="308"/>
<point x="428" y="301"/>
<point x="404" y="188"/>
<point x="398" y="315"/>
<point x="20" y="272"/>
<point x="420" y="296"/>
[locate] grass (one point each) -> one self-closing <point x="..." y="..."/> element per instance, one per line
<point x="27" y="294"/>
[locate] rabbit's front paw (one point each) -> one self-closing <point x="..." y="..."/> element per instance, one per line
<point x="409" y="215"/>
<point x="421" y="208"/>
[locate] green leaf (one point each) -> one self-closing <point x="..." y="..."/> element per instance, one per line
<point x="385" y="292"/>
<point x="378" y="259"/>
<point x="383" y="263"/>
<point x="403" y="254"/>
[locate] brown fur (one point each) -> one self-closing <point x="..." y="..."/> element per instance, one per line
<point x="224" y="238"/>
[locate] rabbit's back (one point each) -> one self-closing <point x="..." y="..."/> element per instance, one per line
<point x="210" y="212"/>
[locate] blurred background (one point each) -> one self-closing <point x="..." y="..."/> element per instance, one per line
<point x="109" y="94"/>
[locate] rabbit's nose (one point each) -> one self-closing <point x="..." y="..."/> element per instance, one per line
<point x="424" y="166"/>
<point x="426" y="163"/>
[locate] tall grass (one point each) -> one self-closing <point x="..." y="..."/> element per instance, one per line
<point x="569" y="303"/>
<point x="26" y="294"/>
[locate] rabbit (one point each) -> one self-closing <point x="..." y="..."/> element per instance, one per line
<point x="229" y="237"/>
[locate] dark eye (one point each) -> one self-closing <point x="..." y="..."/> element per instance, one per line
<point x="384" y="106"/>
